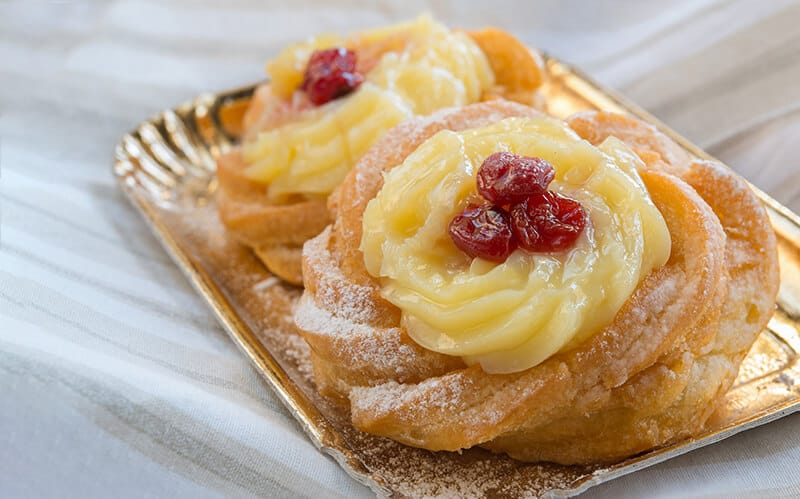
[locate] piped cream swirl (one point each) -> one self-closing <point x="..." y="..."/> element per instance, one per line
<point x="412" y="69"/>
<point x="513" y="315"/>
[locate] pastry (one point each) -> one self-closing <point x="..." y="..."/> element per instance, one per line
<point x="330" y="99"/>
<point x="574" y="292"/>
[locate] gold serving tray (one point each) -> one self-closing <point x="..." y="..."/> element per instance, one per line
<point x="166" y="168"/>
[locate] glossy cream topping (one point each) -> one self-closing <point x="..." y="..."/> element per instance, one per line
<point x="513" y="315"/>
<point x="412" y="68"/>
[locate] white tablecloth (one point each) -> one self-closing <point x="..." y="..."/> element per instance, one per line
<point x="115" y="381"/>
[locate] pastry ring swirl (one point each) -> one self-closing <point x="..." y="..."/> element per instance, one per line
<point x="655" y="373"/>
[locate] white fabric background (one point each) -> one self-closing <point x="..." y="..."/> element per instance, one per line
<point x="115" y="381"/>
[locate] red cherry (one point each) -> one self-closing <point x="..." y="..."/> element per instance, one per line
<point x="484" y="232"/>
<point x="330" y="74"/>
<point x="505" y="178"/>
<point x="547" y="222"/>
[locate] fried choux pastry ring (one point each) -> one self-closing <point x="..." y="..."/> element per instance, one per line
<point x="309" y="125"/>
<point x="621" y="375"/>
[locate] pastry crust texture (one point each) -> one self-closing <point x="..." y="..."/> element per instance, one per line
<point x="276" y="232"/>
<point x="654" y="375"/>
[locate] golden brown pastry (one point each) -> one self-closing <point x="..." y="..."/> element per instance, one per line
<point x="622" y="340"/>
<point x="330" y="99"/>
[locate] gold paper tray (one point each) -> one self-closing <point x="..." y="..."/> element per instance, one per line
<point x="166" y="168"/>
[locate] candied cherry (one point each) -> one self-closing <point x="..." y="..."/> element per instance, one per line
<point x="505" y="178"/>
<point x="483" y="231"/>
<point x="329" y="74"/>
<point x="547" y="222"/>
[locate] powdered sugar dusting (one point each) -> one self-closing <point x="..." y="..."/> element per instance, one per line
<point x="266" y="284"/>
<point x="473" y="473"/>
<point x="352" y="301"/>
<point x="349" y="325"/>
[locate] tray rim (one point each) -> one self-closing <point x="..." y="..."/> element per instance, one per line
<point x="324" y="436"/>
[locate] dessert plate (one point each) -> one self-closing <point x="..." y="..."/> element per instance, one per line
<point x="166" y="169"/>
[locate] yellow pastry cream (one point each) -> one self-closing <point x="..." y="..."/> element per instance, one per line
<point x="512" y="315"/>
<point x="410" y="69"/>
